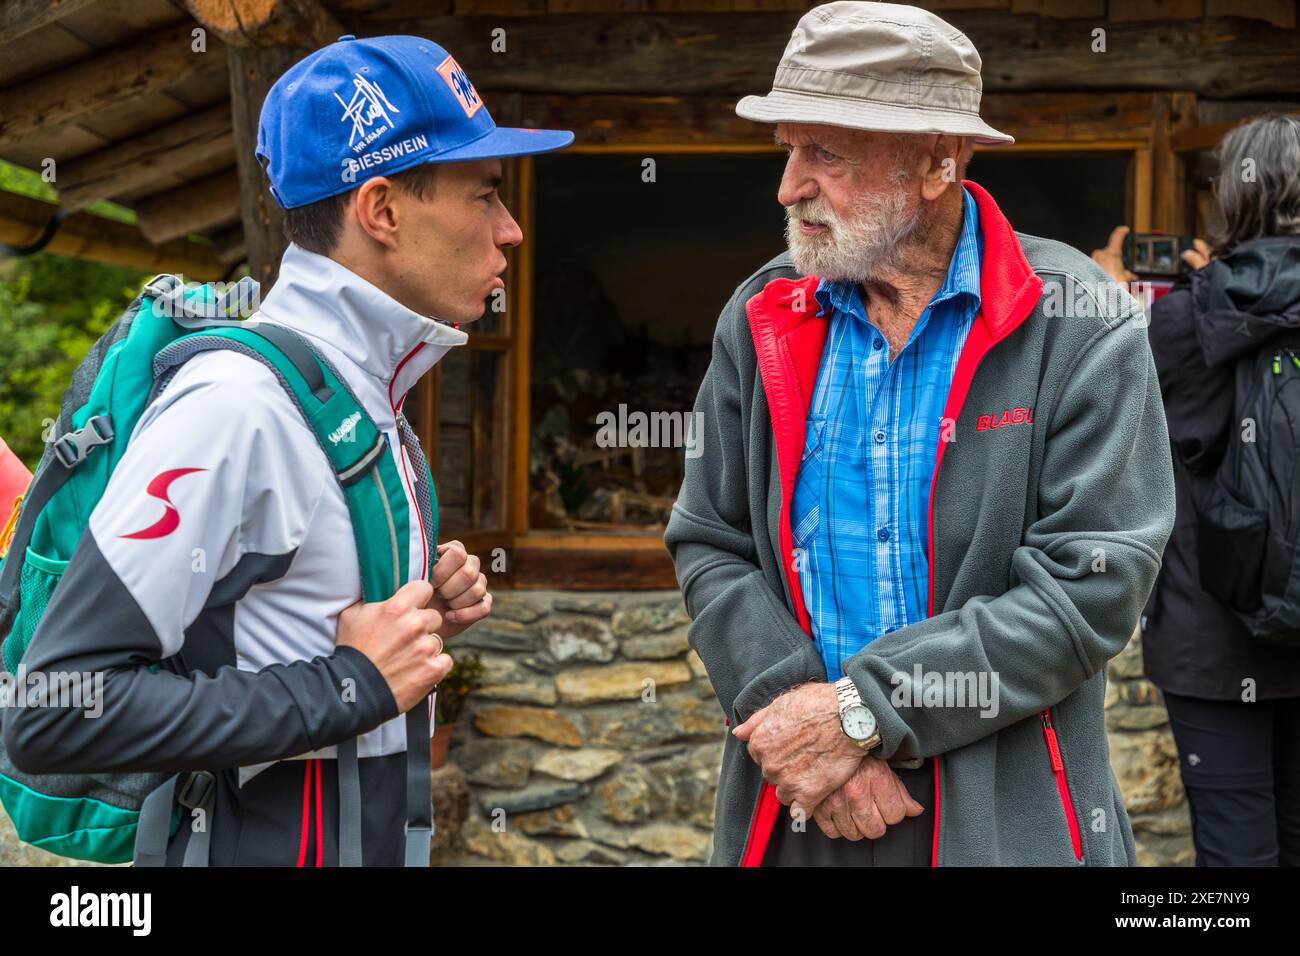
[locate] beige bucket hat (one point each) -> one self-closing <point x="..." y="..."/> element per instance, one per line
<point x="877" y="66"/>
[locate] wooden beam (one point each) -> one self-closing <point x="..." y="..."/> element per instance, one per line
<point x="262" y="23"/>
<point x="1143" y="201"/>
<point x="598" y="120"/>
<point x="1069" y="116"/>
<point x="253" y="71"/>
<point x="1149" y="10"/>
<point x="710" y="123"/>
<point x="143" y="65"/>
<point x="139" y="160"/>
<point x="727" y="54"/>
<point x="1280" y="13"/>
<point x="103" y="240"/>
<point x="20" y="17"/>
<point x="194" y="207"/>
<point x="1061" y="9"/>
<point x="1197" y="138"/>
<point x="1172" y="112"/>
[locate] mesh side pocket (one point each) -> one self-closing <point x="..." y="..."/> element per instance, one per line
<point x="37" y="580"/>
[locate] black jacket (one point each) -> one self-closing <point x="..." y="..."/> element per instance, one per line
<point x="1193" y="645"/>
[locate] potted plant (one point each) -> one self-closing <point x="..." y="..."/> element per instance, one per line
<point x="447" y="706"/>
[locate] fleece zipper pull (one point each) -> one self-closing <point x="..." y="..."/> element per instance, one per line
<point x="1053" y="749"/>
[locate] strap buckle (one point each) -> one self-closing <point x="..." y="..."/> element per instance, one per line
<point x="196" y="789"/>
<point x="359" y="468"/>
<point x="72" y="448"/>
<point x="210" y="305"/>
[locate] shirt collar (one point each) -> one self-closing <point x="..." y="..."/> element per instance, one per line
<point x="962" y="278"/>
<point x="352" y="320"/>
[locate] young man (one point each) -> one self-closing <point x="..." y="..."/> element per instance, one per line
<point x="248" y="586"/>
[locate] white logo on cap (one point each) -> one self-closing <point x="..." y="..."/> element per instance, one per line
<point x="367" y="105"/>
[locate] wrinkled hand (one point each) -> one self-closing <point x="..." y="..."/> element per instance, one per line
<point x="460" y="589"/>
<point x="798" y="741"/>
<point x="873" y="798"/>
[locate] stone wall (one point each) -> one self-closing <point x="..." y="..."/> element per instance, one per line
<point x="1145" y="761"/>
<point x="596" y="739"/>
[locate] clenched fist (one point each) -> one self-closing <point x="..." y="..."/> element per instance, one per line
<point x="460" y="588"/>
<point x="400" y="636"/>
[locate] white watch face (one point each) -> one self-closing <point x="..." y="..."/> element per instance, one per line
<point x="858" y="722"/>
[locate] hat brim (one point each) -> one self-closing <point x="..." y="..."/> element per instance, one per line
<point x="789" y="106"/>
<point x="506" y="141"/>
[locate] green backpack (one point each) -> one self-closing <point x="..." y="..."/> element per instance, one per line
<point x="118" y="817"/>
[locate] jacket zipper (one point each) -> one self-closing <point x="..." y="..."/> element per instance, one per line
<point x="1062" y="785"/>
<point x="406" y="473"/>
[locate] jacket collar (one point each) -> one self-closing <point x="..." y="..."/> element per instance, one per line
<point x="356" y="324"/>
<point x="1009" y="287"/>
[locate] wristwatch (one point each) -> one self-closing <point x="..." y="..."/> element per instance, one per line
<point x="859" y="724"/>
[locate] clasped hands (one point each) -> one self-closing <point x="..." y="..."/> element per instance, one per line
<point x="816" y="769"/>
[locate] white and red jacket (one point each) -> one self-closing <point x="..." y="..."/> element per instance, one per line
<point x="223" y="546"/>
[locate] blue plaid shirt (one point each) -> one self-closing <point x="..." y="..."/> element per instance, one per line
<point x="861" y="499"/>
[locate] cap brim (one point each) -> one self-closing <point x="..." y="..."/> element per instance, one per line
<point x="789" y="106"/>
<point x="506" y="141"/>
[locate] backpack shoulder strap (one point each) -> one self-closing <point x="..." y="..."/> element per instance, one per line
<point x="380" y="516"/>
<point x="344" y="430"/>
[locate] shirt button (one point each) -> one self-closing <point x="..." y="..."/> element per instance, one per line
<point x="880" y="437"/>
<point x="883" y="534"/>
<point x="877" y="344"/>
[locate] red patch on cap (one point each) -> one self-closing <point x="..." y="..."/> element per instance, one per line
<point x="460" y="85"/>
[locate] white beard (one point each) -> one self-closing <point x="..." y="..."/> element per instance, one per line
<point x="859" y="248"/>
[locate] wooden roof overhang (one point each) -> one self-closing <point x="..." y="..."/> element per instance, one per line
<point x="153" y="104"/>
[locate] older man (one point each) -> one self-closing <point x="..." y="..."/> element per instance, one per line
<point x="959" y="494"/>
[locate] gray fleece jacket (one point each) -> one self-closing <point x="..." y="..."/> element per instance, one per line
<point x="1051" y="504"/>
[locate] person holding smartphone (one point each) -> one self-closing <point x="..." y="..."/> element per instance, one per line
<point x="1233" y="698"/>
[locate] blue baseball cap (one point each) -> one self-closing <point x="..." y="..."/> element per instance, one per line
<point x="362" y="108"/>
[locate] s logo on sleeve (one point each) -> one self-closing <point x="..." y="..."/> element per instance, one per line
<point x="171" y="518"/>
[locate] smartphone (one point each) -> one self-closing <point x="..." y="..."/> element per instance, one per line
<point x="1156" y="253"/>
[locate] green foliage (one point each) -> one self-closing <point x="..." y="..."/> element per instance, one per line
<point x="573" y="484"/>
<point x="26" y="182"/>
<point x="456" y="688"/>
<point x="52" y="309"/>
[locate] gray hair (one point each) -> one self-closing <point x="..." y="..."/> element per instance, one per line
<point x="1258" y="186"/>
